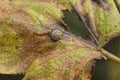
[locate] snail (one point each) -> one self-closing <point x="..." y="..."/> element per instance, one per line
<point x="56" y="34"/>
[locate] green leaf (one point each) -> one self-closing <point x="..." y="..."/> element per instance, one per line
<point x="107" y="22"/>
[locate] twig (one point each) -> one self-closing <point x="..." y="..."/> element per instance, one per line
<point x="110" y="55"/>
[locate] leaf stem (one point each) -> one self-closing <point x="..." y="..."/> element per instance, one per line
<point x="110" y="55"/>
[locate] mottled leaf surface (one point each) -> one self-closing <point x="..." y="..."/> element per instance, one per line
<point x="103" y="18"/>
<point x="26" y="46"/>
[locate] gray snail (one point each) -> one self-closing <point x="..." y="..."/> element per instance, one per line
<point x="56" y="34"/>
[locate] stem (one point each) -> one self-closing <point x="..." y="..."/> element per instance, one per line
<point x="110" y="56"/>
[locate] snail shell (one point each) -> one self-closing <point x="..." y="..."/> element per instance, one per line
<point x="56" y="34"/>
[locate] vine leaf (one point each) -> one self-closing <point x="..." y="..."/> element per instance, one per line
<point x="103" y="19"/>
<point x="35" y="54"/>
<point x="107" y="22"/>
<point x="97" y="19"/>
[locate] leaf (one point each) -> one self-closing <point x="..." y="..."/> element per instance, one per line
<point x="61" y="4"/>
<point x="20" y="47"/>
<point x="29" y="12"/>
<point x="102" y="19"/>
<point x="67" y="64"/>
<point x="107" y="22"/>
